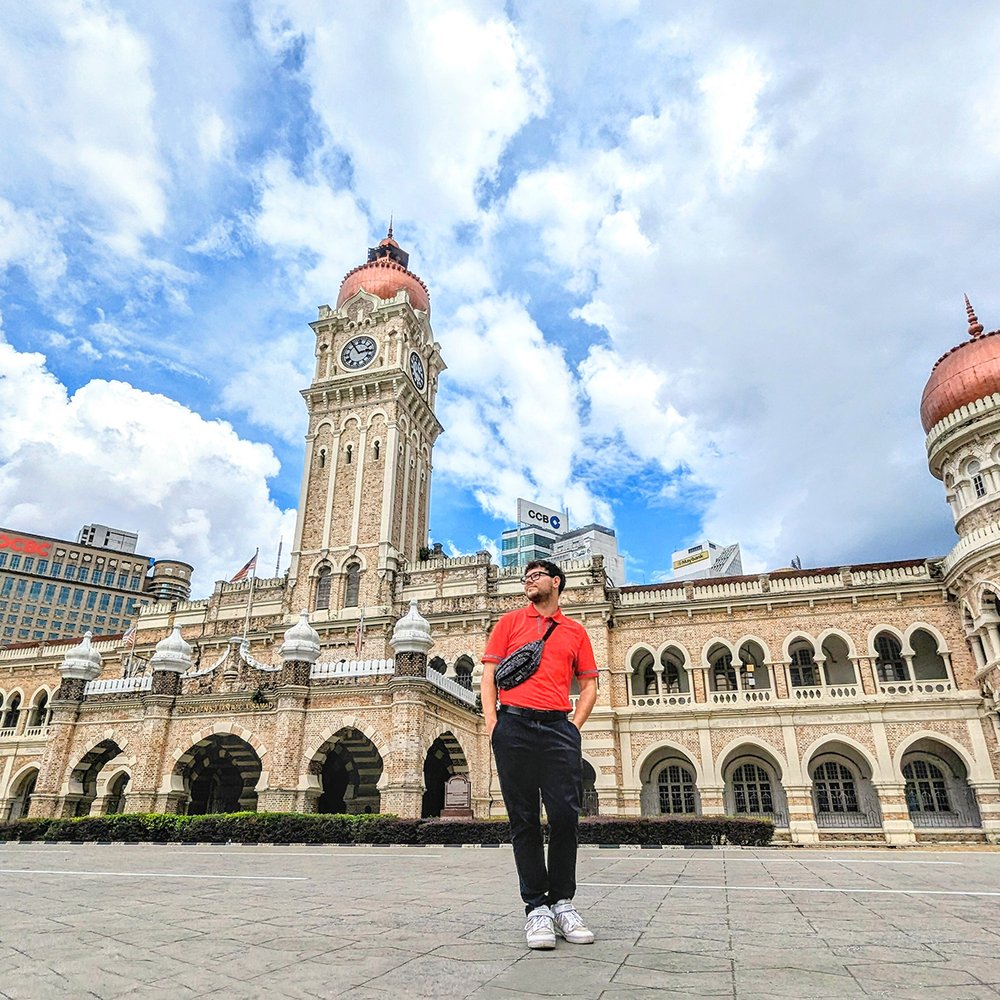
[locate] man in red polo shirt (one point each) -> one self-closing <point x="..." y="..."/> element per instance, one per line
<point x="536" y="746"/>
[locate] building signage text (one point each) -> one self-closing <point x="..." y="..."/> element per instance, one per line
<point x="29" y="546"/>
<point x="689" y="560"/>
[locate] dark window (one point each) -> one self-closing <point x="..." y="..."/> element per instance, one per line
<point x="63" y="595"/>
<point x="979" y="486"/>
<point x="8" y="585"/>
<point x="91" y="600"/>
<point x="29" y="564"/>
<point x="50" y="593"/>
<point x="122" y="580"/>
<point x="350" y="453"/>
<point x="676" y="786"/>
<point x="803" y="669"/>
<point x="889" y="665"/>
<point x="835" y="789"/>
<point x="57" y="569"/>
<point x="353" y="586"/>
<point x="77" y="597"/>
<point x="752" y="790"/>
<point x="926" y="788"/>
<point x="109" y="578"/>
<point x="323" y="583"/>
<point x="376" y="448"/>
<point x="105" y="601"/>
<point x="43" y="566"/>
<point x="19" y="590"/>
<point x="36" y="590"/>
<point x="117" y="605"/>
<point x="70" y="572"/>
<point x="15" y="562"/>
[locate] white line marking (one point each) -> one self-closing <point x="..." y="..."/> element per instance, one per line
<point x="795" y="861"/>
<point x="241" y="878"/>
<point x="791" y="888"/>
<point x="305" y="854"/>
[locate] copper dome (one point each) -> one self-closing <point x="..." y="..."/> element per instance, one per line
<point x="966" y="373"/>
<point x="384" y="275"/>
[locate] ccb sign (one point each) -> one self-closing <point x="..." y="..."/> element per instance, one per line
<point x="28" y="546"/>
<point x="545" y="517"/>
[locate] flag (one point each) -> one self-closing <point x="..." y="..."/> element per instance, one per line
<point x="359" y="634"/>
<point x="245" y="571"/>
<point x="128" y="639"/>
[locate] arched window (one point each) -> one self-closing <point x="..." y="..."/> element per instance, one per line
<point x="116" y="795"/>
<point x="350" y="453"/>
<point x="676" y="785"/>
<point x="752" y="789"/>
<point x="437" y="664"/>
<point x="926" y="788"/>
<point x="803" y="669"/>
<point x="889" y="664"/>
<point x="353" y="585"/>
<point x="834" y="788"/>
<point x="322" y="458"/>
<point x="39" y="711"/>
<point x="674" y="674"/>
<point x="643" y="674"/>
<point x="323" y="582"/>
<point x="976" y="478"/>
<point x="377" y="449"/>
<point x="12" y="714"/>
<point x="723" y="674"/>
<point x="463" y="672"/>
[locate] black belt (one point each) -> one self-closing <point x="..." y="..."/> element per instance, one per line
<point x="538" y="714"/>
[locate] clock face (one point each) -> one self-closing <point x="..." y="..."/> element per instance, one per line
<point x="358" y="352"/>
<point x="417" y="370"/>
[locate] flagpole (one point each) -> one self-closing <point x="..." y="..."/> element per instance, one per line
<point x="253" y="581"/>
<point x="277" y="562"/>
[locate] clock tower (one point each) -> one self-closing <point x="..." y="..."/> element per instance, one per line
<point x="363" y="507"/>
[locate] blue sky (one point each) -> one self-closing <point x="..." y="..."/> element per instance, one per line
<point x="689" y="270"/>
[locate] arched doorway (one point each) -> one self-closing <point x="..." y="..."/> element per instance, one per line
<point x="83" y="778"/>
<point x="752" y="778"/>
<point x="349" y="767"/>
<point x="220" y="774"/>
<point x="937" y="789"/>
<point x="444" y="760"/>
<point x="668" y="785"/>
<point x="21" y="793"/>
<point x="843" y="795"/>
<point x="114" y="801"/>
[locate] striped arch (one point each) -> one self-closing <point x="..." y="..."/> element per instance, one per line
<point x="974" y="768"/>
<point x="840" y="634"/>
<point x="658" y="750"/>
<point x="711" y="644"/>
<point x="930" y="630"/>
<point x="348" y="722"/>
<point x="878" y="630"/>
<point x="750" y="743"/>
<point x="447" y="736"/>
<point x="687" y="662"/>
<point x="835" y="737"/>
<point x="19" y="775"/>
<point x="799" y="635"/>
<point x="184" y="757"/>
<point x="757" y="641"/>
<point x="109" y="735"/>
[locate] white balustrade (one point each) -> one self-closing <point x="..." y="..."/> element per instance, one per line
<point x="452" y="687"/>
<point x="352" y="668"/>
<point x="745" y="697"/>
<point x="32" y="732"/>
<point x="7" y="734"/>
<point x="118" y="685"/>
<point x="664" y="700"/>
<point x="833" y="692"/>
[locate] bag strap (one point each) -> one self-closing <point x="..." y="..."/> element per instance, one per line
<point x="548" y="631"/>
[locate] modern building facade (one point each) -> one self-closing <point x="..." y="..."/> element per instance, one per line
<point x="52" y="589"/>
<point x="588" y="541"/>
<point x="847" y="703"/>
<point x="706" y="559"/>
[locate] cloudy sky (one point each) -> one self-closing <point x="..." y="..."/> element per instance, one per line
<point x="689" y="269"/>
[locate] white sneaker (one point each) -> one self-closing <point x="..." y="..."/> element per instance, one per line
<point x="538" y="931"/>
<point x="570" y="924"/>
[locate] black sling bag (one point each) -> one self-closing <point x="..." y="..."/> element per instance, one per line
<point x="518" y="666"/>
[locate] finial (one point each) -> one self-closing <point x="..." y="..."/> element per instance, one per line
<point x="975" y="327"/>
<point x="389" y="234"/>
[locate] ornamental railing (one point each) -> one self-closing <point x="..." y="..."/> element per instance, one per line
<point x="119" y="685"/>
<point x="952" y="819"/>
<point x="849" y="820"/>
<point x="832" y="693"/>
<point x="352" y="668"/>
<point x="452" y="687"/>
<point x="662" y="700"/>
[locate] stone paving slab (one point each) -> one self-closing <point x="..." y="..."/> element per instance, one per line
<point x="104" y="922"/>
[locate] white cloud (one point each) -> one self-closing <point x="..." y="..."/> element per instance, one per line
<point x="32" y="243"/>
<point x="110" y="453"/>
<point x="424" y="101"/>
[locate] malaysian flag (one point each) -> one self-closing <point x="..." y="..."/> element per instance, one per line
<point x="243" y="573"/>
<point x="359" y="634"/>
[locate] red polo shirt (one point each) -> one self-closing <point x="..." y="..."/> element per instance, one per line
<point x="567" y="652"/>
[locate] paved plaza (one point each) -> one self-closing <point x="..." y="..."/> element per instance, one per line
<point x="278" y="922"/>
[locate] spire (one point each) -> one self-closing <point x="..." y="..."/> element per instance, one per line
<point x="975" y="327"/>
<point x="389" y="234"/>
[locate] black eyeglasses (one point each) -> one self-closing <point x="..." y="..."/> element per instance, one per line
<point x="532" y="577"/>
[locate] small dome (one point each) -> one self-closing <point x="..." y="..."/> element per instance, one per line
<point x="301" y="641"/>
<point x="82" y="662"/>
<point x="965" y="374"/>
<point x="385" y="275"/>
<point x="172" y="653"/>
<point x="412" y="633"/>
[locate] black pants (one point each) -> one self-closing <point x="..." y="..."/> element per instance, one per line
<point x="535" y="757"/>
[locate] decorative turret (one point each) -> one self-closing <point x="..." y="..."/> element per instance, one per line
<point x="171" y="659"/>
<point x="411" y="639"/>
<point x="299" y="651"/>
<point x="384" y="275"/>
<point x="81" y="664"/>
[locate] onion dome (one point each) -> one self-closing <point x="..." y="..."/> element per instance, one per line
<point x="384" y="275"/>
<point x="301" y="642"/>
<point x="965" y="374"/>
<point x="82" y="662"/>
<point x="412" y="633"/>
<point x="172" y="654"/>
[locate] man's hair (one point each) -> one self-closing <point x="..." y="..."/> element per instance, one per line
<point x="550" y="567"/>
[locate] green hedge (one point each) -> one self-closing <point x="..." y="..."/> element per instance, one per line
<point x="319" y="828"/>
